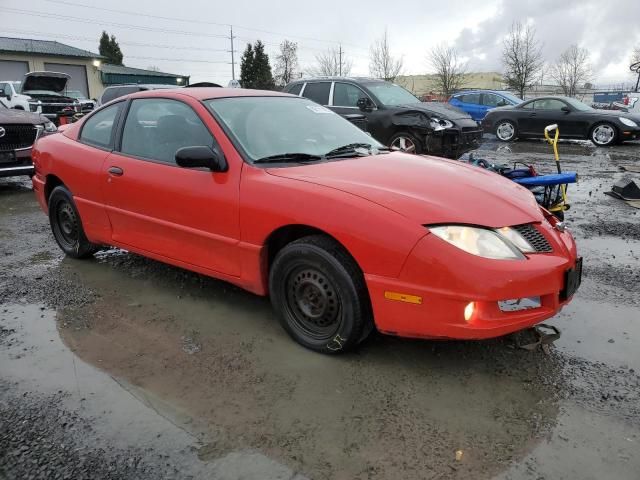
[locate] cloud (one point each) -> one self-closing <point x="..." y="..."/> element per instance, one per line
<point x="609" y="31"/>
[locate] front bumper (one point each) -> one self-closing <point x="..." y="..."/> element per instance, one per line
<point x="20" y="165"/>
<point x="441" y="280"/>
<point x="453" y="142"/>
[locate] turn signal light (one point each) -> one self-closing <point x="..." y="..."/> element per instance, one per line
<point x="468" y="311"/>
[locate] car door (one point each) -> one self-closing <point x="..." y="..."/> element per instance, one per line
<point x="155" y="206"/>
<point x="525" y="116"/>
<point x="344" y="101"/>
<point x="470" y="103"/>
<point x="549" y="111"/>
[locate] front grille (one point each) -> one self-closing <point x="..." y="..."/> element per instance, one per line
<point x="17" y="136"/>
<point x="534" y="237"/>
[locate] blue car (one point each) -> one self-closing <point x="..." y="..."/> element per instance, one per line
<point x="478" y="102"/>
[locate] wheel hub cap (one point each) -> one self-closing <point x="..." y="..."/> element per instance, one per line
<point x="505" y="131"/>
<point x="403" y="144"/>
<point x="603" y="134"/>
<point x="314" y="301"/>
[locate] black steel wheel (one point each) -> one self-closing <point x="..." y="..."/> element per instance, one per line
<point x="320" y="296"/>
<point x="67" y="226"/>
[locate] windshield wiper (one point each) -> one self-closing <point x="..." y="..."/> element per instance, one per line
<point x="352" y="148"/>
<point x="289" y="157"/>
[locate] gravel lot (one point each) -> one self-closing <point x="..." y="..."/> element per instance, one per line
<point x="124" y="368"/>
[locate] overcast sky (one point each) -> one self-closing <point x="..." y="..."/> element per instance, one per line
<point x="192" y="37"/>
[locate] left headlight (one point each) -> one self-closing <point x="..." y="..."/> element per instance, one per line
<point x="628" y="122"/>
<point x="50" y="127"/>
<point x="439" y="124"/>
<point x="501" y="244"/>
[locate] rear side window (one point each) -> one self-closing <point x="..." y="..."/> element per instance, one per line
<point x="156" y="128"/>
<point x="473" y="98"/>
<point x="318" y="92"/>
<point x="98" y="130"/>
<point x="295" y="89"/>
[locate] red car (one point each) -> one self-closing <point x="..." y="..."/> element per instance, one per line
<point x="285" y="198"/>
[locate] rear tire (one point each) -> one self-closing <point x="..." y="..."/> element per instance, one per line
<point x="320" y="296"/>
<point x="506" y="131"/>
<point x="67" y="226"/>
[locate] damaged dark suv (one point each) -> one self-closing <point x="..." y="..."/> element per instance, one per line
<point x="394" y="116"/>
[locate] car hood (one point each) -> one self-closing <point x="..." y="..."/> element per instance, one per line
<point x="45" y="81"/>
<point x="19" y="117"/>
<point x="427" y="190"/>
<point x="442" y="110"/>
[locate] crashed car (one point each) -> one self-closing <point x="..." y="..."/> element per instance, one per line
<point x="18" y="132"/>
<point x="285" y="198"/>
<point x="47" y="92"/>
<point x="394" y="116"/>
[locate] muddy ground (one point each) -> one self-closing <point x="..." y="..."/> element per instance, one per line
<point x="122" y="367"/>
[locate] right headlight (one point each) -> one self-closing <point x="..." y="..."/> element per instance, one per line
<point x="628" y="122"/>
<point x="482" y="242"/>
<point x="439" y="124"/>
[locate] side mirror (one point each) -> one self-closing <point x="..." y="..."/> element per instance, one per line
<point x="566" y="109"/>
<point x="365" y="104"/>
<point x="201" y="156"/>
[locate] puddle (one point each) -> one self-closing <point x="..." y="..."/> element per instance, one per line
<point x="122" y="416"/>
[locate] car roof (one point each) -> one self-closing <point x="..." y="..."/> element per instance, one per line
<point x="344" y="79"/>
<point x="480" y="90"/>
<point x="206" y="93"/>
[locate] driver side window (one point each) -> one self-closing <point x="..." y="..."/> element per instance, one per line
<point x="156" y="128"/>
<point x="548" y="104"/>
<point x="347" y="95"/>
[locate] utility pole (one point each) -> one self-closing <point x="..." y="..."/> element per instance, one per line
<point x="233" y="63"/>
<point x="340" y="64"/>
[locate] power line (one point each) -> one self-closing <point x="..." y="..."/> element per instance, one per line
<point x="113" y="24"/>
<point x="122" y="42"/>
<point x="191" y="20"/>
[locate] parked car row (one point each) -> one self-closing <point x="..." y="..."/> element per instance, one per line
<point x="41" y="92"/>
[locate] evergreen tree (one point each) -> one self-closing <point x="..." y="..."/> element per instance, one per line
<point x="255" y="71"/>
<point x="110" y="49"/>
<point x="247" y="75"/>
<point x="262" y="68"/>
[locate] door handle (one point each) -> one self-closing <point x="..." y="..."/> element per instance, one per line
<point x="532" y="114"/>
<point x="115" y="171"/>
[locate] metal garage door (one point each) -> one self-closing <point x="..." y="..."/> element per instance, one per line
<point x="13" y="70"/>
<point x="78" y="74"/>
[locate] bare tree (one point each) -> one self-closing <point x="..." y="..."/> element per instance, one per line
<point x="451" y="72"/>
<point x="572" y="70"/>
<point x="522" y="58"/>
<point x="286" y="63"/>
<point x="381" y="63"/>
<point x="332" y="63"/>
<point x="635" y="66"/>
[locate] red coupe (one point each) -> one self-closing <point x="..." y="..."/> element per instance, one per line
<point x="285" y="198"/>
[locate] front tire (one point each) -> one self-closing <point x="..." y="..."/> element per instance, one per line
<point x="406" y="142"/>
<point x="67" y="226"/>
<point x="320" y="296"/>
<point x="506" y="131"/>
<point x="604" y="135"/>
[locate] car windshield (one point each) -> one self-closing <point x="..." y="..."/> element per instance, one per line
<point x="578" y="105"/>
<point x="391" y="94"/>
<point x="281" y="126"/>
<point x="75" y="94"/>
